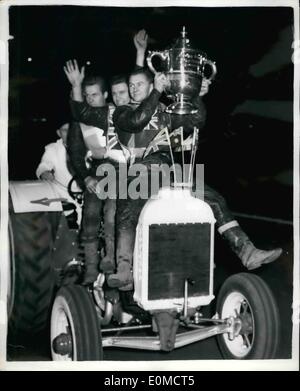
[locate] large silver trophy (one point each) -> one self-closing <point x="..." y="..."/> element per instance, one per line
<point x="185" y="68"/>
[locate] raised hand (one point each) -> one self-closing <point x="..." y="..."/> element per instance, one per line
<point x="73" y="74"/>
<point x="141" y="40"/>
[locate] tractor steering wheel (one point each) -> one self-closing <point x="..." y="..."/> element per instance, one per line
<point x="76" y="195"/>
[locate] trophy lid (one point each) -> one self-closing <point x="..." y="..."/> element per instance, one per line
<point x="182" y="41"/>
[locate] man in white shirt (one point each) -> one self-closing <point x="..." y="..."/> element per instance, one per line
<point x="54" y="166"/>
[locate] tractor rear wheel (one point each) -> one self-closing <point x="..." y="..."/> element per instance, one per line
<point x="32" y="276"/>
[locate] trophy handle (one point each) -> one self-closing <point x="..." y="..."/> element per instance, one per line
<point x="213" y="69"/>
<point x="162" y="55"/>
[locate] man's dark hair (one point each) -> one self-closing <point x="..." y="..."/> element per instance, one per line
<point x="142" y="71"/>
<point x="118" y="79"/>
<point x="91" y="80"/>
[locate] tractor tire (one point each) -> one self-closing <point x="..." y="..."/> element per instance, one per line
<point x="75" y="327"/>
<point x="247" y="297"/>
<point x="32" y="276"/>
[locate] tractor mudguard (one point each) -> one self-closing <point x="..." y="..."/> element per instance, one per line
<point x="34" y="196"/>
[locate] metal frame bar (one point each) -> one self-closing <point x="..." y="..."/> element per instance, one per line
<point x="129" y="328"/>
<point x="153" y="343"/>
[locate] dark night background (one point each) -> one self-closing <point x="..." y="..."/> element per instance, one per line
<point x="248" y="150"/>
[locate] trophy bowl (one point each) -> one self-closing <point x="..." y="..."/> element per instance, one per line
<point x="185" y="69"/>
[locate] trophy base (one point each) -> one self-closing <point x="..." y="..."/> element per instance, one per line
<point x="182" y="108"/>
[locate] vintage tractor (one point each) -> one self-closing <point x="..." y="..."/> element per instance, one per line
<point x="173" y="281"/>
<point x="173" y="267"/>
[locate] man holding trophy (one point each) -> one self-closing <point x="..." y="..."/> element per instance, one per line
<point x="139" y="125"/>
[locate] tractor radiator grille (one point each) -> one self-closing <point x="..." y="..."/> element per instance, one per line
<point x="178" y="252"/>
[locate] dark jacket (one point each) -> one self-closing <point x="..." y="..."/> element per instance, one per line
<point x="94" y="116"/>
<point x="136" y="119"/>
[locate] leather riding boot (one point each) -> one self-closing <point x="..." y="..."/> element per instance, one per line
<point x="91" y="262"/>
<point x="251" y="257"/>
<point x="123" y="279"/>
